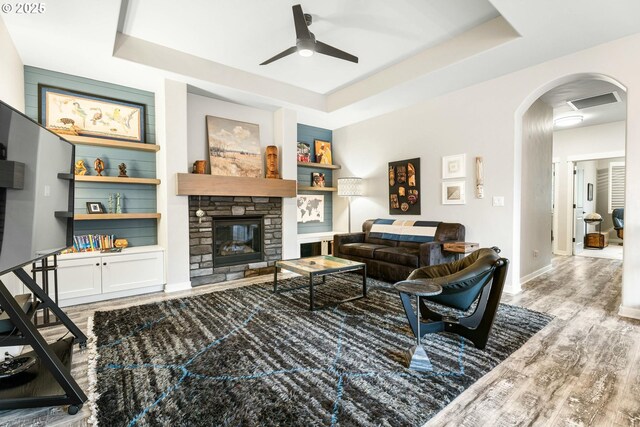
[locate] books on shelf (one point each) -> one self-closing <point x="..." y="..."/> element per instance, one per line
<point x="93" y="242"/>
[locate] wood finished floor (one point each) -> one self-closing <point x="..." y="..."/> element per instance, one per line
<point x="583" y="369"/>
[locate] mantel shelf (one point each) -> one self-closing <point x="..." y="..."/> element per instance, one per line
<point x="117" y="180"/>
<point x="317" y="165"/>
<point x="102" y="142"/>
<point x="308" y="188"/>
<point x="189" y="184"/>
<point x="93" y="217"/>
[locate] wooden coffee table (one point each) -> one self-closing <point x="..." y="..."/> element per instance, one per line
<point x="320" y="266"/>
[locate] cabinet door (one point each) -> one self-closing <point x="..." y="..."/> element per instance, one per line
<point x="132" y="271"/>
<point x="78" y="278"/>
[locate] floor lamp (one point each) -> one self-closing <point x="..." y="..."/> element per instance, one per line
<point x="349" y="187"/>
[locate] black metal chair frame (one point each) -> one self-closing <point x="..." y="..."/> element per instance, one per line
<point x="476" y="326"/>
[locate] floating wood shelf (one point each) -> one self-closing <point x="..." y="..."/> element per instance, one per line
<point x="189" y="184"/>
<point x="317" y="165"/>
<point x="117" y="180"/>
<point x="87" y="140"/>
<point x="307" y="188"/>
<point x="93" y="217"/>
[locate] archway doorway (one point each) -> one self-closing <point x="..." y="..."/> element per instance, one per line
<point x="565" y="170"/>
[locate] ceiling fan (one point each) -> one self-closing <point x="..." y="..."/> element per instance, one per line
<point x="306" y="43"/>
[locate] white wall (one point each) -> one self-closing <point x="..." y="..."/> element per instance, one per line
<point x="486" y="119"/>
<point x="173" y="227"/>
<point x="583" y="143"/>
<point x="537" y="140"/>
<point x="11" y="71"/>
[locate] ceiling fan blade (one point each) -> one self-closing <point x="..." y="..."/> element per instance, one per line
<point x="280" y="55"/>
<point x="302" y="30"/>
<point x="325" y="49"/>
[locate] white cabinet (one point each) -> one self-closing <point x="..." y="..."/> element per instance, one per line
<point x="92" y="276"/>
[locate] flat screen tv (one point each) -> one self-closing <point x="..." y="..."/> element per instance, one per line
<point x="36" y="190"/>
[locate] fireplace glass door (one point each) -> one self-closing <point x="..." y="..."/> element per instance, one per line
<point x="237" y="240"/>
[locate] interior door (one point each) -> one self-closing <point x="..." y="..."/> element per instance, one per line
<point x="578" y="209"/>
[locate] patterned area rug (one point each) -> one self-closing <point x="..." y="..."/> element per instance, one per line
<point x="247" y="357"/>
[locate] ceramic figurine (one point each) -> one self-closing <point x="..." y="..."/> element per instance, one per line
<point x="98" y="165"/>
<point x="81" y="169"/>
<point x="118" y="203"/>
<point x="123" y="170"/>
<point x="110" y="203"/>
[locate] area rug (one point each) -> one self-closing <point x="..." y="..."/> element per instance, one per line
<point x="249" y="357"/>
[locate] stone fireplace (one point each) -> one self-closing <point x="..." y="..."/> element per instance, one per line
<point x="237" y="237"/>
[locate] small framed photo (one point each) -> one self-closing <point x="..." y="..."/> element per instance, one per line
<point x="95" y="208"/>
<point x="453" y="193"/>
<point x="323" y="152"/>
<point x="317" y="179"/>
<point x="454" y="166"/>
<point x="304" y="152"/>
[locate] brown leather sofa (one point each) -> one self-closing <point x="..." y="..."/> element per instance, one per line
<point x="391" y="258"/>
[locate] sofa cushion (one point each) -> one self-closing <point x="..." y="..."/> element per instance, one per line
<point x="362" y="250"/>
<point x="409" y="257"/>
<point x="403" y="230"/>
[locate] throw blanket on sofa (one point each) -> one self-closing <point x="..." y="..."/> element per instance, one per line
<point x="404" y="230"/>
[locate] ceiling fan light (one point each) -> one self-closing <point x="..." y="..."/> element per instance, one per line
<point x="305" y="52"/>
<point x="568" y="121"/>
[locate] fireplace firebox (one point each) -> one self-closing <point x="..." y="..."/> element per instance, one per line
<point x="237" y="240"/>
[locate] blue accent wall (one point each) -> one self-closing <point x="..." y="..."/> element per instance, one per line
<point x="308" y="134"/>
<point x="136" y="198"/>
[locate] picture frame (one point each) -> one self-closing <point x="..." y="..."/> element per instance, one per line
<point x="323" y="152"/>
<point x="304" y="152"/>
<point x="95" y="208"/>
<point x="453" y="193"/>
<point x="404" y="187"/>
<point x="317" y="179"/>
<point x="454" y="166"/>
<point x="589" y="192"/>
<point x="69" y="112"/>
<point x="234" y="147"/>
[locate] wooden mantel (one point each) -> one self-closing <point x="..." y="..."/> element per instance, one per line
<point x="191" y="184"/>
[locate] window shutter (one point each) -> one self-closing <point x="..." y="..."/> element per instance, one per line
<point x="616" y="185"/>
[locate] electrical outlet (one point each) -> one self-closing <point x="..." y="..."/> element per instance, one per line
<point x="536" y="253"/>
<point x="498" y="200"/>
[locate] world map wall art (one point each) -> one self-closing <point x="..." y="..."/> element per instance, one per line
<point x="310" y="208"/>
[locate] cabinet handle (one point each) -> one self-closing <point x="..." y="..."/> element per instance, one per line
<point x="104" y="263"/>
<point x="97" y="264"/>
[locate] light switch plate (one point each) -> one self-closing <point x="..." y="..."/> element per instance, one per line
<point x="498" y="200"/>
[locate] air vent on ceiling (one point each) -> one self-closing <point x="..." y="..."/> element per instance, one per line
<point x="594" y="101"/>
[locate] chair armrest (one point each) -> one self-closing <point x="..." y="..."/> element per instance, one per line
<point x="432" y="253"/>
<point x="343" y="239"/>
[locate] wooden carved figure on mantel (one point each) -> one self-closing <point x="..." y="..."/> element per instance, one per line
<point x="123" y="170"/>
<point x="80" y="168"/>
<point x="272" y="162"/>
<point x="98" y="165"/>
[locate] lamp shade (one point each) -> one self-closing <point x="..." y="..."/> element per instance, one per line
<point x="350" y="186"/>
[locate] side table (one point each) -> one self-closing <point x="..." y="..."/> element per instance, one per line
<point x="460" y="248"/>
<point x="416" y="356"/>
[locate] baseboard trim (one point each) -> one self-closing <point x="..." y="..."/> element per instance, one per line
<point x="535" y="274"/>
<point x="511" y="290"/>
<point x="630" y="312"/>
<point x="177" y="287"/>
<point x="562" y="253"/>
